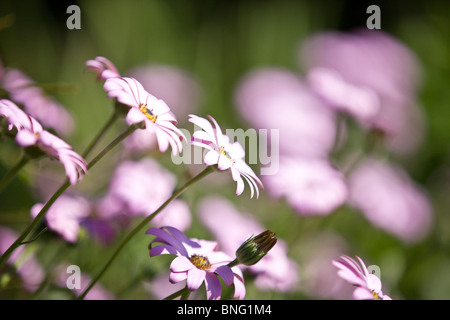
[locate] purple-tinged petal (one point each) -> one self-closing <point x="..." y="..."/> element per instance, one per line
<point x="213" y="287"/>
<point x="162" y="249"/>
<point x="226" y="274"/>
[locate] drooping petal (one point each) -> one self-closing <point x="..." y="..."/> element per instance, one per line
<point x="213" y="287"/>
<point x="195" y="278"/>
<point x="226" y="274"/>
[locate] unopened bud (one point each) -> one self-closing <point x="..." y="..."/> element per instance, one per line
<point x="255" y="248"/>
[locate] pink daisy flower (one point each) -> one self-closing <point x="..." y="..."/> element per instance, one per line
<point x="30" y="133"/>
<point x="103" y="67"/>
<point x="224" y="154"/>
<point x="146" y="108"/>
<point x="197" y="261"/>
<point x="368" y="286"/>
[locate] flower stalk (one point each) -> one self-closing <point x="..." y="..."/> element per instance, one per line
<point x="59" y="192"/>
<point x="143" y="223"/>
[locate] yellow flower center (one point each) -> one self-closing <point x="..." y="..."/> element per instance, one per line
<point x="375" y="295"/>
<point x="200" y="262"/>
<point x="225" y="153"/>
<point x="148" y="113"/>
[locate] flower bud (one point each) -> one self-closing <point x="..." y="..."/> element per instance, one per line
<point x="255" y="248"/>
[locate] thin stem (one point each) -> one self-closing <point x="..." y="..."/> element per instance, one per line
<point x="143" y="223"/>
<point x="233" y="263"/>
<point x="109" y="147"/>
<point x="184" y="293"/>
<point x="60" y="191"/>
<point x="34" y="223"/>
<point x="13" y="172"/>
<point x="101" y="133"/>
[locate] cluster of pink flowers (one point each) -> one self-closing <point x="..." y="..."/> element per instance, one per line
<point x="367" y="76"/>
<point x="347" y="75"/>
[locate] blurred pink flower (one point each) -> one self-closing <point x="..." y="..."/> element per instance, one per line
<point x="98" y="292"/>
<point x="103" y="67"/>
<point x="310" y="185"/>
<point x="141" y="187"/>
<point x="368" y="286"/>
<point x="273" y="98"/>
<point x="31" y="133"/>
<point x="37" y="103"/>
<point x="147" y="109"/>
<point x="275" y="271"/>
<point x="390" y="200"/>
<point x="319" y="277"/>
<point x="29" y="269"/>
<point x="197" y="261"/>
<point x="373" y="77"/>
<point x="65" y="215"/>
<point x="175" y="86"/>
<point x="224" y="154"/>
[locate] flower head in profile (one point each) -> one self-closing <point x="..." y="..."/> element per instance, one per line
<point x="147" y="109"/>
<point x="368" y="285"/>
<point x="197" y="261"/>
<point x="224" y="154"/>
<point x="103" y="67"/>
<point x="31" y="134"/>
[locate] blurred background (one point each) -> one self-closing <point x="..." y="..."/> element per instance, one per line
<point x="204" y="57"/>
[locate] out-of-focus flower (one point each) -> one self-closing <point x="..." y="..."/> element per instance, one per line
<point x="390" y="200"/>
<point x="146" y="108"/>
<point x="197" y="261"/>
<point x="275" y="271"/>
<point x="65" y="215"/>
<point x="224" y="154"/>
<point x="103" y="67"/>
<point x="30" y="133"/>
<point x="310" y="185"/>
<point x="368" y="285"/>
<point x="175" y="86"/>
<point x="141" y="187"/>
<point x="30" y="271"/>
<point x="37" y="103"/>
<point x="319" y="277"/>
<point x="272" y="98"/>
<point x="373" y="77"/>
<point x="98" y="292"/>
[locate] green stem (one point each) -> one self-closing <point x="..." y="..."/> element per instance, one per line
<point x="13" y="172"/>
<point x="101" y="133"/>
<point x="60" y="191"/>
<point x="184" y="293"/>
<point x="233" y="263"/>
<point x="34" y="223"/>
<point x="143" y="223"/>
